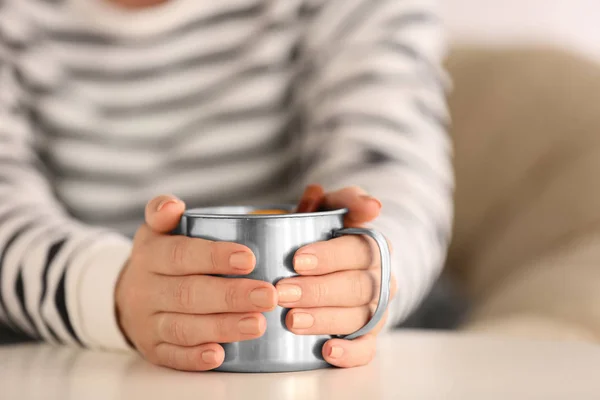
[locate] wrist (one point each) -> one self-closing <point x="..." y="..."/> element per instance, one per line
<point x="119" y="306"/>
<point x="92" y="294"/>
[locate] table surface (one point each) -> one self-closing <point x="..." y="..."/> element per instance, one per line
<point x="409" y="364"/>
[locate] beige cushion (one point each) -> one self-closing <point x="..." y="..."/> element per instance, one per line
<point x="527" y="233"/>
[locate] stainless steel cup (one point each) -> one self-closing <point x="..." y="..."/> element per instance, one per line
<point x="274" y="239"/>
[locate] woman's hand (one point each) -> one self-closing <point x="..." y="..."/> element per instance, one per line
<point x="338" y="289"/>
<point x="170" y="307"/>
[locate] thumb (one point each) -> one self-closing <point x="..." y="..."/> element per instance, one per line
<point x="163" y="213"/>
<point x="362" y="207"/>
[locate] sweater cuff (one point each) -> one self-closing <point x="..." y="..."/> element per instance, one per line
<point x="92" y="300"/>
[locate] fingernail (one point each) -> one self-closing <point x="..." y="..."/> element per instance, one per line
<point x="302" y="321"/>
<point x="209" y="357"/>
<point x="303" y="206"/>
<point x="373" y="200"/>
<point x="242" y="260"/>
<point x="289" y="293"/>
<point x="311" y="199"/>
<point x="336" y="352"/>
<point x="262" y="298"/>
<point x="313" y="205"/>
<point x="163" y="203"/>
<point x="249" y="326"/>
<point x="305" y="262"/>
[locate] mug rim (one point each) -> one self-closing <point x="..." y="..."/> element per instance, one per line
<point x="243" y="212"/>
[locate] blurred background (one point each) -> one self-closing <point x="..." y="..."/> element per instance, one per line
<point x="571" y="24"/>
<point x="525" y="110"/>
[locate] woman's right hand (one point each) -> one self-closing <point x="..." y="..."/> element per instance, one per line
<point x="171" y="307"/>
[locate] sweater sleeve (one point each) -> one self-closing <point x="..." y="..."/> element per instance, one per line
<point x="373" y="112"/>
<point x="57" y="276"/>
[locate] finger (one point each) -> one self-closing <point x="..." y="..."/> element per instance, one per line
<point x="339" y="254"/>
<point x="379" y="327"/>
<point x="393" y="287"/>
<point x="200" y="358"/>
<point x="311" y="200"/>
<point x="327" y="320"/>
<point x="193" y="330"/>
<point x="350" y="353"/>
<point x="340" y="289"/>
<point x="163" y="213"/>
<point x="213" y="295"/>
<point x="361" y="207"/>
<point x="180" y="255"/>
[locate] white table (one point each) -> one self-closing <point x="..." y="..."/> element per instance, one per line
<point x="409" y="365"/>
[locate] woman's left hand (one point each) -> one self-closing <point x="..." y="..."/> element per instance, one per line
<point x="338" y="287"/>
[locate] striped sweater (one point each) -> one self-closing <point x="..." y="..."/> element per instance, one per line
<point x="217" y="102"/>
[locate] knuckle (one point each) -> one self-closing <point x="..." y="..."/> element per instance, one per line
<point x="179" y="250"/>
<point x="179" y="332"/>
<point x="170" y="359"/>
<point x="231" y="296"/>
<point x="221" y="327"/>
<point x="329" y="256"/>
<point x="361" y="287"/>
<point x="184" y="293"/>
<point x="213" y="249"/>
<point x="320" y="293"/>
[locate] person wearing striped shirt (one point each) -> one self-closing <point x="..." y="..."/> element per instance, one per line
<point x="107" y="104"/>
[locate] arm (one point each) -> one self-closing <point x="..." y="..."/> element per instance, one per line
<point x="57" y="276"/>
<point x="373" y="107"/>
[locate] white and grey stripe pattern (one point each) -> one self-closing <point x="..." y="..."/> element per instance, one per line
<point x="236" y="101"/>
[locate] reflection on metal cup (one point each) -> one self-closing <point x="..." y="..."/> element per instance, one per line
<point x="274" y="234"/>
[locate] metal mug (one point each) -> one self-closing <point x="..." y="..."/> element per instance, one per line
<point x="274" y="239"/>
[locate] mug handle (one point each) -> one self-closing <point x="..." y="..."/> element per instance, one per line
<point x="386" y="274"/>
